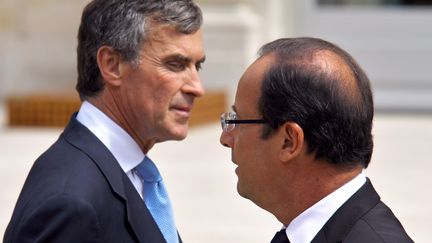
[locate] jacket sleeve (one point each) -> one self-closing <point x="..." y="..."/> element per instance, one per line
<point x="61" y="218"/>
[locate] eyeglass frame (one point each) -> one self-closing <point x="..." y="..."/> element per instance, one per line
<point x="225" y="122"/>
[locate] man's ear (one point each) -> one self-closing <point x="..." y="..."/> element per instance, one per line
<point x="109" y="64"/>
<point x="293" y="142"/>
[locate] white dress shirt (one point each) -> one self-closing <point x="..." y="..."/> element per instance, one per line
<point x="305" y="226"/>
<point x="125" y="150"/>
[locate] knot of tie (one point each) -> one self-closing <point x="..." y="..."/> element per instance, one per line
<point x="280" y="237"/>
<point x="148" y="171"/>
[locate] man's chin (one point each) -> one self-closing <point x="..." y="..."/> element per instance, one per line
<point x="240" y="191"/>
<point x="179" y="138"/>
<point x="178" y="132"/>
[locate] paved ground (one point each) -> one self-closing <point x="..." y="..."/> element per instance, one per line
<point x="201" y="179"/>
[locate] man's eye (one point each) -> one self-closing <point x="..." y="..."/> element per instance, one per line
<point x="176" y="66"/>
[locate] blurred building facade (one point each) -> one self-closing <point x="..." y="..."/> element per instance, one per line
<point x="390" y="39"/>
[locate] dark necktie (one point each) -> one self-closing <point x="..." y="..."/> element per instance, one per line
<point x="280" y="237"/>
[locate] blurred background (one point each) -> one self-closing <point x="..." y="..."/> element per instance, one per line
<point x="391" y="39"/>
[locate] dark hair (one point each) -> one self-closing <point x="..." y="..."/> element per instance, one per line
<point x="334" y="108"/>
<point x="125" y="25"/>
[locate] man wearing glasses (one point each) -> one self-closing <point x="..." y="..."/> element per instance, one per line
<point x="300" y="134"/>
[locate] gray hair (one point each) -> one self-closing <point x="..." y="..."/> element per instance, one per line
<point x="125" y="25"/>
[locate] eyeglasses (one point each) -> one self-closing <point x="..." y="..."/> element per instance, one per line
<point x="229" y="119"/>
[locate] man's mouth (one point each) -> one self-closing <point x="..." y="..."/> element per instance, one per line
<point x="182" y="110"/>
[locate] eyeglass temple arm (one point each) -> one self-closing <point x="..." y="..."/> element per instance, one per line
<point x="244" y="121"/>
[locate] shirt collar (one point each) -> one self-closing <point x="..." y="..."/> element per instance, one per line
<point x="305" y="226"/>
<point x="118" y="141"/>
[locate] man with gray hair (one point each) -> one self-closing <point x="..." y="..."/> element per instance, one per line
<point x="138" y="64"/>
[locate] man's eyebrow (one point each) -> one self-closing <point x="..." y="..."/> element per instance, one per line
<point x="183" y="59"/>
<point x="178" y="57"/>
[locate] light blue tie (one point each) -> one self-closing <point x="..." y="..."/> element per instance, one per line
<point x="156" y="199"/>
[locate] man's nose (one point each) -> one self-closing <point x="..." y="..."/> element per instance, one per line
<point x="226" y="139"/>
<point x="194" y="85"/>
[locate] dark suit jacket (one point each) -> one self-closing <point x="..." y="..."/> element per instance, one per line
<point x="77" y="192"/>
<point x="363" y="219"/>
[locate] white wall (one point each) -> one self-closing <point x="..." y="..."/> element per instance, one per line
<point x="230" y="36"/>
<point x="234" y="30"/>
<point x="38" y="41"/>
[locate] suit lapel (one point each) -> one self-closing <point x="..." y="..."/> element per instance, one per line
<point x="139" y="217"/>
<point x="83" y="139"/>
<point x="340" y="224"/>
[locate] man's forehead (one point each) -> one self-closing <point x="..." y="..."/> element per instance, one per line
<point x="249" y="86"/>
<point x="256" y="71"/>
<point x="166" y="41"/>
<point x="166" y="33"/>
<point x="167" y="37"/>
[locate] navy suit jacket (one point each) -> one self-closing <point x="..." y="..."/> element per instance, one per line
<point x="363" y="219"/>
<point x="77" y="192"/>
